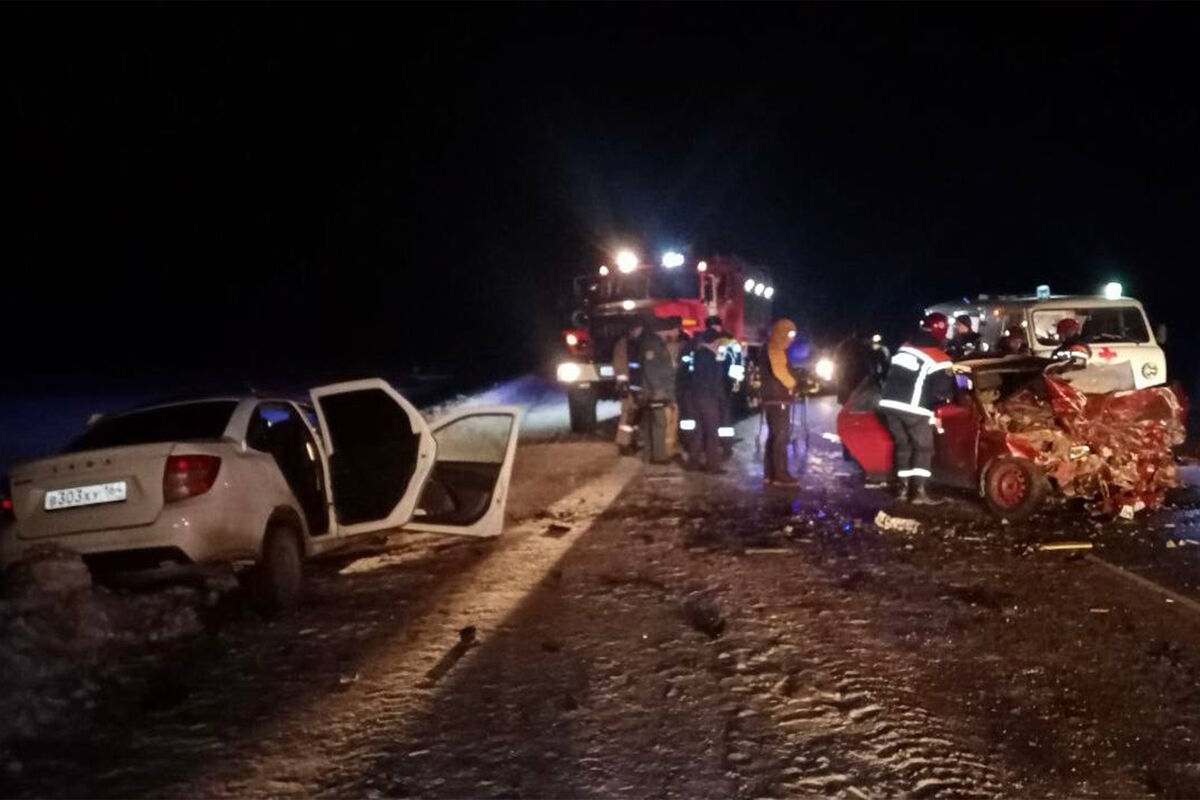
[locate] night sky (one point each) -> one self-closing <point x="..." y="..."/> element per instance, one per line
<point x="271" y="189"/>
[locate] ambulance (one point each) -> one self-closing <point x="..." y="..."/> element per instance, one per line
<point x="1123" y="350"/>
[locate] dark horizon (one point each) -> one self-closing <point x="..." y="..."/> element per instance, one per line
<point x="221" y="188"/>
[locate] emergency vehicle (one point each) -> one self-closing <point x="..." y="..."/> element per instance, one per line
<point x="1123" y="353"/>
<point x="610" y="298"/>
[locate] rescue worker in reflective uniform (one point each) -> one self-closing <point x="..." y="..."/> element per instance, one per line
<point x="918" y="379"/>
<point x="705" y="390"/>
<point x="1071" y="346"/>
<point x="659" y="420"/>
<point x="629" y="384"/>
<point x="729" y="362"/>
<point x="965" y="342"/>
<point x="779" y="385"/>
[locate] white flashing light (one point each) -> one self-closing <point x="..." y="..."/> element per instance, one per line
<point x="702" y="266"/>
<point x="876" y="339"/>
<point x="1043" y="292"/>
<point x="672" y="259"/>
<point x="769" y="292"/>
<point x="1113" y="291"/>
<point x="628" y="305"/>
<point x="627" y="261"/>
<point x="759" y="289"/>
<point x="825" y="369"/>
<point x="725" y="432"/>
<point x="749" y="286"/>
<point x="603" y="270"/>
<point x="569" y="372"/>
<point x="572" y="340"/>
<point x="687" y="424"/>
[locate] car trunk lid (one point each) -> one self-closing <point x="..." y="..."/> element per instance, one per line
<point x="94" y="490"/>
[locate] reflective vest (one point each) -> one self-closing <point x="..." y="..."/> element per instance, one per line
<point x="906" y="389"/>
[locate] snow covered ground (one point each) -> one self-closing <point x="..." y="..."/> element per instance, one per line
<point x="695" y="636"/>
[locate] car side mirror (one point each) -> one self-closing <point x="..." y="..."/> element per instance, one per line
<point x="579" y="319"/>
<point x="1160" y="333"/>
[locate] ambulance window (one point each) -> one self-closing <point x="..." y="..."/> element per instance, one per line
<point x="1097" y="324"/>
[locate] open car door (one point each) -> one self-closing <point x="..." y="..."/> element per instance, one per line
<point x="863" y="433"/>
<point x="380" y="453"/>
<point x="468" y="488"/>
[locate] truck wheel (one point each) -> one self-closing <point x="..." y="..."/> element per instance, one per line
<point x="1014" y="487"/>
<point x="581" y="405"/>
<point x="277" y="578"/>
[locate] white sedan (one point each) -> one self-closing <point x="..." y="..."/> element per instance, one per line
<point x="272" y="482"/>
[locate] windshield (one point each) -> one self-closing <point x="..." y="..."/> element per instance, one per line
<point x="183" y="422"/>
<point x="1097" y="324"/>
<point x="660" y="284"/>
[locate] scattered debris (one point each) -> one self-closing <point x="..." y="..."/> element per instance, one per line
<point x="760" y="551"/>
<point x="886" y="522"/>
<point x="1050" y="546"/>
<point x="704" y="617"/>
<point x="557" y="530"/>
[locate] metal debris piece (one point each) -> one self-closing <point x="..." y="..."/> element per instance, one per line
<point x="1048" y="546"/>
<point x="886" y="522"/>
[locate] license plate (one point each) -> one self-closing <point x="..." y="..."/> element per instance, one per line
<point x="85" y="496"/>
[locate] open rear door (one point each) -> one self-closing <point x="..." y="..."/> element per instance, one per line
<point x="468" y="488"/>
<point x="380" y="453"/>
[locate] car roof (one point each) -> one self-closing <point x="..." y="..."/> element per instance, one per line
<point x="1054" y="301"/>
<point x="195" y="400"/>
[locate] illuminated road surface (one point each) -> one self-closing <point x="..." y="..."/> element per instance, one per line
<point x="700" y="636"/>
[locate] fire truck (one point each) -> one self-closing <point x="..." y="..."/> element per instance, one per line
<point x="609" y="299"/>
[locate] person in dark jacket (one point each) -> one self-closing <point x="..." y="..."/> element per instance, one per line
<point x="629" y="383"/>
<point x="705" y="390"/>
<point x="918" y="379"/>
<point x="965" y="342"/>
<point x="779" y="386"/>
<point x="852" y="358"/>
<point x="658" y="392"/>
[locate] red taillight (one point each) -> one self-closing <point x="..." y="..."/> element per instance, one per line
<point x="6" y="508"/>
<point x="188" y="476"/>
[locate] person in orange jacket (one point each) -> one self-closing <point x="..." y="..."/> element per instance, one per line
<point x="778" y="388"/>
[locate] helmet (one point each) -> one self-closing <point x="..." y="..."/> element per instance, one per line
<point x="713" y="321"/>
<point x="1066" y="328"/>
<point x="937" y="324"/>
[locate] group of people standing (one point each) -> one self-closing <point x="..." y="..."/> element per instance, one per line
<point x="666" y="380"/>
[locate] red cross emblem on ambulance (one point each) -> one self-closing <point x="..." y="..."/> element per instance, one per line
<point x="1107" y="353"/>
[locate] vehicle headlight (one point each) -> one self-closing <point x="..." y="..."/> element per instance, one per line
<point x="569" y="372"/>
<point x="824" y="369"/>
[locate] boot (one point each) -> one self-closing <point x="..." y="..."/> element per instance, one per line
<point x="900" y="489"/>
<point x="921" y="496"/>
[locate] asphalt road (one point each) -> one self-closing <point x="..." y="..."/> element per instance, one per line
<point x="643" y="631"/>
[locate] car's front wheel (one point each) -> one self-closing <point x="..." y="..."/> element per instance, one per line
<point x="1014" y="487"/>
<point x="278" y="577"/>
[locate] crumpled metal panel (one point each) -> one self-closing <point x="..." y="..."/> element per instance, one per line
<point x="1113" y="449"/>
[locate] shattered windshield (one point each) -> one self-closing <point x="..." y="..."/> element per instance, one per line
<point x="1097" y="324"/>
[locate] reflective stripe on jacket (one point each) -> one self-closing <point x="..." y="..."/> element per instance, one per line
<point x="907" y="386"/>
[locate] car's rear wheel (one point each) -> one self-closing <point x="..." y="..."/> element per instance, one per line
<point x="278" y="577"/>
<point x="1014" y="487"/>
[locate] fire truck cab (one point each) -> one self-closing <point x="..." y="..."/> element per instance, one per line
<point x="608" y="300"/>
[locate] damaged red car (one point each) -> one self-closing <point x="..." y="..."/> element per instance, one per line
<point x="1016" y="430"/>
